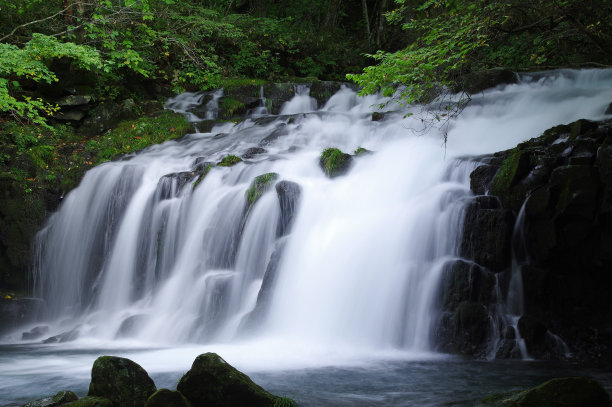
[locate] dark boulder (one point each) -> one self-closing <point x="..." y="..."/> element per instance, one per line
<point x="61" y="398"/>
<point x="252" y="152"/>
<point x="334" y="162"/>
<point x="212" y="382"/>
<point x="288" y="198"/>
<point x="478" y="81"/>
<point x="17" y="311"/>
<point x="167" y="398"/>
<point x="562" y="392"/>
<point x="120" y="380"/>
<point x="35" y="333"/>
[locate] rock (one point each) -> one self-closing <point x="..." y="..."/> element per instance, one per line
<point x="167" y="398"/>
<point x="562" y="392"/>
<point x="212" y="382"/>
<point x="377" y="116"/>
<point x="361" y="151"/>
<point x="205" y="169"/>
<point x="252" y="152"/>
<point x="478" y="81"/>
<point x="69" y="115"/>
<point x="67" y="336"/>
<point x="259" y="185"/>
<point x="481" y="177"/>
<point x="131" y="325"/>
<point x="106" y="116"/>
<point x="17" y="311"/>
<point x="487" y="235"/>
<point x="288" y="198"/>
<point x="334" y="162"/>
<point x="35" y="333"/>
<point x="64" y="396"/>
<point x="229" y="160"/>
<point x="74" y="100"/>
<point x="120" y="380"/>
<point x="169" y="186"/>
<point x="90" y="402"/>
<point x="608" y="109"/>
<point x="280" y="131"/>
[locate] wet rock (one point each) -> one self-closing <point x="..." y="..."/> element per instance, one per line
<point x="35" y="333"/>
<point x="377" y="116"/>
<point x="481" y="177"/>
<point x="17" y="311"/>
<point x="167" y="398"/>
<point x="120" y="380"/>
<point x="61" y="398"/>
<point x="487" y="234"/>
<point x="90" y="402"/>
<point x="252" y="152"/>
<point x="70" y="115"/>
<point x="259" y="185"/>
<point x="74" y="100"/>
<point x="288" y="198"/>
<point x="131" y="325"/>
<point x="359" y="151"/>
<point x="229" y="160"/>
<point x="478" y="81"/>
<point x="561" y="392"/>
<point x="170" y="185"/>
<point x="67" y="336"/>
<point x="608" y="109"/>
<point x="280" y="131"/>
<point x="334" y="162"/>
<point x="212" y="382"/>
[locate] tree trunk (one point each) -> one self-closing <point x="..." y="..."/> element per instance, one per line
<point x="333" y="8"/>
<point x="366" y="18"/>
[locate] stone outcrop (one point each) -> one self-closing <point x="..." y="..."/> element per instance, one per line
<point x="559" y="187"/>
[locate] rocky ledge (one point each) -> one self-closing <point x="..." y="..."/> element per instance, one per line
<point x="542" y="211"/>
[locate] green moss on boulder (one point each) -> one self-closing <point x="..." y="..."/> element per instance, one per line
<point x="361" y="151"/>
<point x="121" y="380"/>
<point x="334" y="162"/>
<point x="563" y="392"/>
<point x="229" y="160"/>
<point x="259" y="185"/>
<point x="90" y="402"/>
<point x="167" y="398"/>
<point x="212" y="382"/>
<point x="62" y="397"/>
<point x="203" y="175"/>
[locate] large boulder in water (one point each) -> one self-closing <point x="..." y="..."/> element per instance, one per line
<point x="120" y="380"/>
<point x="62" y="397"/>
<point x="334" y="162"/>
<point x="167" y="398"/>
<point x="562" y="392"/>
<point x="212" y="382"/>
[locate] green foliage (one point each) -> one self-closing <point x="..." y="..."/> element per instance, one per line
<point x="229" y="160"/>
<point x="284" y="402"/>
<point x="134" y="135"/>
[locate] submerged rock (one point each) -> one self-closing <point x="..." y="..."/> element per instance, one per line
<point x="259" y="185"/>
<point x="62" y="397"/>
<point x="212" y="382"/>
<point x="288" y="198"/>
<point x="334" y="162"/>
<point x="562" y="392"/>
<point x="120" y="380"/>
<point x="35" y="333"/>
<point x="229" y="160"/>
<point x="167" y="398"/>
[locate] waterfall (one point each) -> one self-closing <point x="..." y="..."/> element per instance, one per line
<point x="147" y="249"/>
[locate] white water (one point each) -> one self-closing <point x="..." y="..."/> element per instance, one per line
<point x="360" y="269"/>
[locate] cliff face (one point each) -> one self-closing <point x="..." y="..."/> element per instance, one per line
<point x="542" y="210"/>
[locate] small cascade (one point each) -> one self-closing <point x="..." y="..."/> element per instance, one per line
<point x="212" y="106"/>
<point x="184" y="102"/>
<point x="300" y="103"/>
<point x="262" y="109"/>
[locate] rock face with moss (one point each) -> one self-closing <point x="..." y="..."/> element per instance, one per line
<point x="62" y="397"/>
<point x="212" y="382"/>
<point x="562" y="392"/>
<point x="120" y="380"/>
<point x="229" y="160"/>
<point x="167" y="398"/>
<point x="334" y="162"/>
<point x="90" y="402"/>
<point x="561" y="183"/>
<point x="259" y="185"/>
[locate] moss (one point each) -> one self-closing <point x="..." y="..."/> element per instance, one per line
<point x="230" y="107"/>
<point x="284" y="402"/>
<point x="562" y="392"/>
<point x="202" y="176"/>
<point x="167" y="398"/>
<point x="259" y="185"/>
<point x="134" y="135"/>
<point x="229" y="160"/>
<point x="232" y="83"/>
<point x="90" y="402"/>
<point x="62" y="397"/>
<point x="334" y="162"/>
<point x="360" y="150"/>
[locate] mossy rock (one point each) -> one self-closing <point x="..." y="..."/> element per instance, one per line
<point x="513" y="169"/>
<point x="334" y="162"/>
<point x="121" y="380"/>
<point x="167" y="398"/>
<point x="229" y="160"/>
<point x="62" y="397"/>
<point x="563" y="392"/>
<point x="259" y="185"/>
<point x="212" y="382"/>
<point x="361" y="151"/>
<point x="203" y="175"/>
<point x="90" y="402"/>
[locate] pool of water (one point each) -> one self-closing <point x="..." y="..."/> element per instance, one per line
<point x="28" y="372"/>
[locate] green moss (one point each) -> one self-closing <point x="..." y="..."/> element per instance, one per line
<point x="512" y="170"/>
<point x="284" y="402"/>
<point x="202" y="175"/>
<point x="334" y="162"/>
<point x="259" y="185"/>
<point x="134" y="135"/>
<point x="64" y="396"/>
<point x="90" y="402"/>
<point x="232" y="83"/>
<point x="230" y="106"/>
<point x="229" y="160"/>
<point x="360" y="150"/>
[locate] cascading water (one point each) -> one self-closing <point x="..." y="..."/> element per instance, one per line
<point x="146" y="252"/>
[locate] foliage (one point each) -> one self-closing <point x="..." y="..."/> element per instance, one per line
<point x="451" y="38"/>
